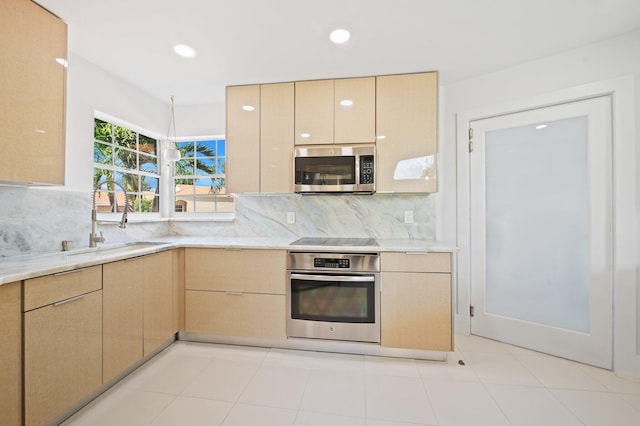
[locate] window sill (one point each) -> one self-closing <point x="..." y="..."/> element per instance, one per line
<point x="203" y="217"/>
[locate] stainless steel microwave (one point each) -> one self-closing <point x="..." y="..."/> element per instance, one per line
<point x="334" y="169"/>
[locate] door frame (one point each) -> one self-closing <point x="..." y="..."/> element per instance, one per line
<point x="626" y="300"/>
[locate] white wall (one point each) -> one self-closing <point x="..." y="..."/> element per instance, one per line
<point x="199" y="120"/>
<point x="605" y="60"/>
<point x="91" y="89"/>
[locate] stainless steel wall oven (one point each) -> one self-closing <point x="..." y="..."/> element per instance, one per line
<point x="334" y="296"/>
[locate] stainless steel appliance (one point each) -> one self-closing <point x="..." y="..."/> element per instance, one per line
<point x="334" y="168"/>
<point x="333" y="296"/>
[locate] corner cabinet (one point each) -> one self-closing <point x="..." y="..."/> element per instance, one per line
<point x="140" y="314"/>
<point x="62" y="342"/>
<point x="11" y="354"/>
<point x="236" y="292"/>
<point x="32" y="106"/>
<point x="416" y="301"/>
<point x="406" y="128"/>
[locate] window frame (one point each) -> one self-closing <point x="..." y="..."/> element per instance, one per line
<point x="134" y="216"/>
<point x="194" y="216"/>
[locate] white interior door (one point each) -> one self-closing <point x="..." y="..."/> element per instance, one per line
<point x="541" y="231"/>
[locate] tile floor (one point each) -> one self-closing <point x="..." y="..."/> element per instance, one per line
<point x="201" y="384"/>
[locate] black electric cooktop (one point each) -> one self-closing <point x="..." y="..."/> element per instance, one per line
<point x="326" y="241"/>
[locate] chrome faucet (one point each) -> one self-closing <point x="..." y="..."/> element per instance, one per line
<point x="94" y="238"/>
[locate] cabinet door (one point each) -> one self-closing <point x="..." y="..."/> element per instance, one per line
<point x="314" y="112"/>
<point x="122" y="297"/>
<point x="416" y="311"/>
<point x="246" y="271"/>
<point x="236" y="314"/>
<point x="159" y="322"/>
<point x="276" y="137"/>
<point x="11" y="354"/>
<point x="62" y="356"/>
<point x="406" y="121"/>
<point x="33" y="94"/>
<point x="355" y="110"/>
<point x="243" y="139"/>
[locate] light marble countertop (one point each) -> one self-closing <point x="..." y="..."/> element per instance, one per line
<point x="17" y="268"/>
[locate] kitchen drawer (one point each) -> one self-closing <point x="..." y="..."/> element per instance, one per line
<point x="247" y="271"/>
<point x="236" y="314"/>
<point x="416" y="262"/>
<point x="54" y="288"/>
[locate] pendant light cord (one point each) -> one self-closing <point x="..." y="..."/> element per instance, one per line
<point x="172" y="121"/>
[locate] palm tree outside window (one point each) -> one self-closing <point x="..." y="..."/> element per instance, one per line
<point x="129" y="158"/>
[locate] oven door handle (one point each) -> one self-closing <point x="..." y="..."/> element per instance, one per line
<point x="345" y="278"/>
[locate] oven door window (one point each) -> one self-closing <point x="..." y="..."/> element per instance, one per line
<point x="334" y="300"/>
<point x="339" y="170"/>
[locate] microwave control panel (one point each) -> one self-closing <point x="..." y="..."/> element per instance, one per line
<point x="366" y="169"/>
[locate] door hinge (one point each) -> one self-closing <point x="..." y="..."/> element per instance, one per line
<point x="470" y="139"/>
<point x="471" y="311"/>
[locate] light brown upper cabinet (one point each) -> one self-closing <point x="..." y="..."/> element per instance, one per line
<point x="335" y="111"/>
<point x="260" y="138"/>
<point x="355" y="110"/>
<point x="32" y="107"/>
<point x="243" y="138"/>
<point x="406" y="128"/>
<point x="276" y="137"/>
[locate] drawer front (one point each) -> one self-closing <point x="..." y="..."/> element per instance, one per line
<point x="416" y="262"/>
<point x="50" y="289"/>
<point x="240" y="314"/>
<point x="248" y="271"/>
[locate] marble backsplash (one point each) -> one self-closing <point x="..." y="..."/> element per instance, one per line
<point x="36" y="220"/>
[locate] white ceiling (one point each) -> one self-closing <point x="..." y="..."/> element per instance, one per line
<point x="260" y="41"/>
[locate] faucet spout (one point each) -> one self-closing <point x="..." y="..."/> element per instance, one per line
<point x="94" y="238"/>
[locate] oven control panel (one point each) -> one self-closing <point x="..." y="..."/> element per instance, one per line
<point x="323" y="262"/>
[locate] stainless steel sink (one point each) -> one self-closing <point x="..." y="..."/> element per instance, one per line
<point x="114" y="249"/>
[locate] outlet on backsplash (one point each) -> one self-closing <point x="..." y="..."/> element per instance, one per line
<point x="291" y="217"/>
<point x="408" y="216"/>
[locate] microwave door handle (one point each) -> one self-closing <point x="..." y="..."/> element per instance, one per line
<point x="345" y="278"/>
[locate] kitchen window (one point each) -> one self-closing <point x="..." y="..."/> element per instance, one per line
<point x="130" y="158"/>
<point x="199" y="177"/>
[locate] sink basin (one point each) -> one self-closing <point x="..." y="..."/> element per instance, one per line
<point x="117" y="249"/>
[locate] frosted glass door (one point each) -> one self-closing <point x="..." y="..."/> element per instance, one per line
<point x="541" y="230"/>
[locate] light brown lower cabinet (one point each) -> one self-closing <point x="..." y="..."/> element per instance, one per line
<point x="139" y="309"/>
<point x="122" y="301"/>
<point x="159" y="301"/>
<point x="416" y="311"/>
<point x="416" y="305"/>
<point x="236" y="314"/>
<point x="236" y="292"/>
<point x="11" y="354"/>
<point x="62" y="355"/>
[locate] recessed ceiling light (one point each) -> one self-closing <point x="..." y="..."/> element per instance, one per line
<point x="339" y="36"/>
<point x="346" y="102"/>
<point x="248" y="108"/>
<point x="184" y="50"/>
